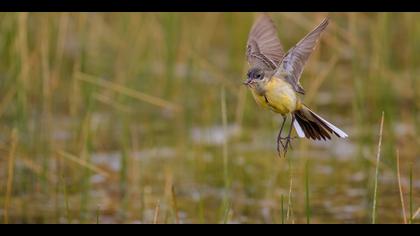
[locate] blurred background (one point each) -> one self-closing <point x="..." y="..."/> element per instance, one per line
<point x="142" y="118"/>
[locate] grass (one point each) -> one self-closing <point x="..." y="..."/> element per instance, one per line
<point x="129" y="92"/>
<point x="307" y="201"/>
<point x="410" y="221"/>
<point x="113" y="109"/>
<point x="83" y="163"/>
<point x="175" y="205"/>
<point x="98" y="211"/>
<point x="400" y="189"/>
<point x="156" y="215"/>
<point x="226" y="201"/>
<point x="282" y="209"/>
<point x="66" y="200"/>
<point x="10" y="173"/>
<point x="378" y="155"/>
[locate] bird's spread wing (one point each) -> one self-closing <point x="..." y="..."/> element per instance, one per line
<point x="291" y="67"/>
<point x="263" y="47"/>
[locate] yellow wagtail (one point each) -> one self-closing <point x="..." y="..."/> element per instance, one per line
<point x="274" y="80"/>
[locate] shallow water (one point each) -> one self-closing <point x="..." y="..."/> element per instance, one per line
<point x="340" y="186"/>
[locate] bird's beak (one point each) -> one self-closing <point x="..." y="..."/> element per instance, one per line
<point x="247" y="82"/>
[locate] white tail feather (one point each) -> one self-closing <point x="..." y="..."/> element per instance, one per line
<point x="338" y="131"/>
<point x="298" y="129"/>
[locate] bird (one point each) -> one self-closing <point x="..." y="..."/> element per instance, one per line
<point x="274" y="80"/>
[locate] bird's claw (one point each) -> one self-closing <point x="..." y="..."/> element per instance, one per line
<point x="285" y="146"/>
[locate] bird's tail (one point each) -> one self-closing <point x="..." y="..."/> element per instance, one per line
<point x="312" y="126"/>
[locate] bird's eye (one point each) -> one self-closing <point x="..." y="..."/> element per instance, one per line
<point x="259" y="76"/>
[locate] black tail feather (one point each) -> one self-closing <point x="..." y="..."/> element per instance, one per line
<point x="313" y="126"/>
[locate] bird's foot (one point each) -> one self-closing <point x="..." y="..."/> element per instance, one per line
<point x="285" y="146"/>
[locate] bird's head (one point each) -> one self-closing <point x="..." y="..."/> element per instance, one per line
<point x="254" y="75"/>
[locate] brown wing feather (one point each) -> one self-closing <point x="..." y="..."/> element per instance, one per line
<point x="295" y="59"/>
<point x="264" y="48"/>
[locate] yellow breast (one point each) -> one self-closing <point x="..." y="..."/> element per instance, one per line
<point x="279" y="96"/>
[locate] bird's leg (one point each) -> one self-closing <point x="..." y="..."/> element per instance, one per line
<point x="288" y="138"/>
<point x="279" y="138"/>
